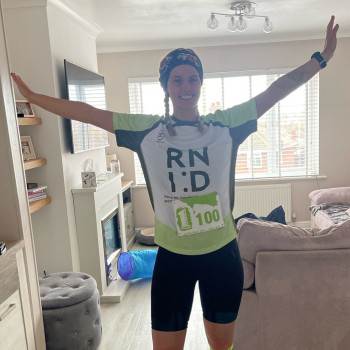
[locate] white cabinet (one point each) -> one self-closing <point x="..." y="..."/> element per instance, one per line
<point x="16" y="327"/>
<point x="12" y="332"/>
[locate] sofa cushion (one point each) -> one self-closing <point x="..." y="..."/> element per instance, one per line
<point x="331" y="195"/>
<point x="256" y="236"/>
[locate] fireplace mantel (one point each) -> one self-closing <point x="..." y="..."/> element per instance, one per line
<point x="91" y="206"/>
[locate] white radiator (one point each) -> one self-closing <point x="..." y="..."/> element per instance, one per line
<point x="262" y="199"/>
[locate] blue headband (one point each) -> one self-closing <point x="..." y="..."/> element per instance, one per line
<point x="177" y="58"/>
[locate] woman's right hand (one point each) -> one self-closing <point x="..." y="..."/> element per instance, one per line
<point x="22" y="87"/>
<point x="80" y="111"/>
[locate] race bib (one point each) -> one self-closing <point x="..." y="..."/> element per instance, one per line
<point x="198" y="214"/>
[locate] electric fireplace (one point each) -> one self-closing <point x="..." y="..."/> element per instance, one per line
<point x="111" y="244"/>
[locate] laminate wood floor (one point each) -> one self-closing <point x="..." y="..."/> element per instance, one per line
<point x="127" y="325"/>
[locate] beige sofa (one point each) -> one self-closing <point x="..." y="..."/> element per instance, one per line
<point x="297" y="287"/>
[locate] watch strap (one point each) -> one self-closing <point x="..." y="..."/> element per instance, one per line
<point x="320" y="59"/>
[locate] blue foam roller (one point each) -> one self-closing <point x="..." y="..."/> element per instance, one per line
<point x="136" y="264"/>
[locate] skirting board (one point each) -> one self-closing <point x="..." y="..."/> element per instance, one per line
<point x="302" y="224"/>
<point x="115" y="292"/>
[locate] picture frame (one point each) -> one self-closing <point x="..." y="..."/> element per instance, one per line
<point x="28" y="152"/>
<point x="24" y="109"/>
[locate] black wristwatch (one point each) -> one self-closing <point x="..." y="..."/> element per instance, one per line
<point x="320" y="59"/>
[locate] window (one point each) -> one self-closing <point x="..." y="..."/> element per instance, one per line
<point x="257" y="161"/>
<point x="287" y="141"/>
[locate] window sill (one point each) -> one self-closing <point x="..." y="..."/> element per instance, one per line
<point x="138" y="186"/>
<point x="281" y="179"/>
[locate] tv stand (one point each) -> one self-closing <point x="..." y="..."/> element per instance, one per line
<point x="91" y="206"/>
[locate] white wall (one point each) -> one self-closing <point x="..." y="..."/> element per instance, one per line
<point x="40" y="35"/>
<point x="334" y="115"/>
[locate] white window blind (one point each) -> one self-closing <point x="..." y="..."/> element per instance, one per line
<point x="287" y="141"/>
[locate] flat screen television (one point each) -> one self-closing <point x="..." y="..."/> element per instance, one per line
<point x="85" y="86"/>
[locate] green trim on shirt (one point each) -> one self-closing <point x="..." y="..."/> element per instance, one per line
<point x="234" y="116"/>
<point x="134" y="122"/>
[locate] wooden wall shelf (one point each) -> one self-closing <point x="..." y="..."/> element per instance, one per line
<point x="36" y="205"/>
<point x="34" y="163"/>
<point x="29" y="121"/>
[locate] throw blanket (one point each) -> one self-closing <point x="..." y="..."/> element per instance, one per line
<point x="337" y="212"/>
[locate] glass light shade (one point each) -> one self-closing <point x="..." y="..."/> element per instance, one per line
<point x="268" y="26"/>
<point x="242" y="24"/>
<point x="232" y="25"/>
<point x="249" y="12"/>
<point x="212" y="22"/>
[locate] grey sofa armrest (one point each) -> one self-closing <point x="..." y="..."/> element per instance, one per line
<point x="320" y="274"/>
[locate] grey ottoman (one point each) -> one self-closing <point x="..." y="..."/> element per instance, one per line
<point x="71" y="311"/>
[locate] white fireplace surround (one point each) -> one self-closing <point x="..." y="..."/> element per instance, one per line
<point x="92" y="206"/>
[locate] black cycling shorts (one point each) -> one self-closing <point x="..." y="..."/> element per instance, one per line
<point x="220" y="278"/>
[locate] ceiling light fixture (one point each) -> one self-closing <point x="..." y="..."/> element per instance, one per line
<point x="242" y="11"/>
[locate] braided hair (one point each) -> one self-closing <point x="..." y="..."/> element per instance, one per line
<point x="168" y="119"/>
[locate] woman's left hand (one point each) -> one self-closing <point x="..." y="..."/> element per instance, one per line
<point x="331" y="40"/>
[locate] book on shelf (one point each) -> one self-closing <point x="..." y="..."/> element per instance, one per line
<point x="21" y="115"/>
<point x="37" y="194"/>
<point x="39" y="189"/>
<point x="37" y="198"/>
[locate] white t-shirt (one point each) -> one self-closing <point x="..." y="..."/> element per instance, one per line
<point x="190" y="177"/>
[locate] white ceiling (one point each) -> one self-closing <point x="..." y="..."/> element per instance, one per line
<point x="130" y="25"/>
